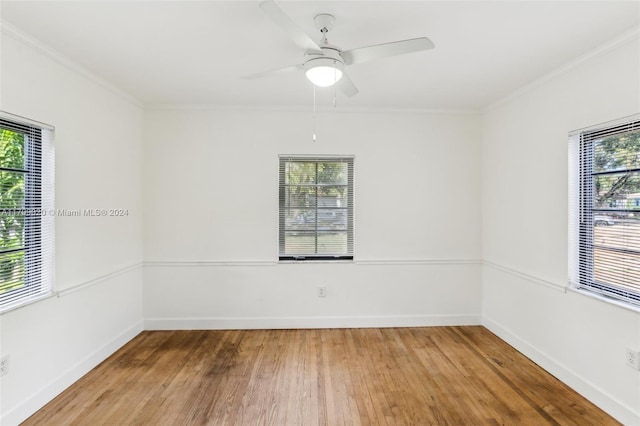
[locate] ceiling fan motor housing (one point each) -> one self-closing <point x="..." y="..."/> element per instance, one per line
<point x="324" y="61"/>
<point x="330" y="58"/>
<point x="328" y="51"/>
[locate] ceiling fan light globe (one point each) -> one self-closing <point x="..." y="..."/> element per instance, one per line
<point x="323" y="75"/>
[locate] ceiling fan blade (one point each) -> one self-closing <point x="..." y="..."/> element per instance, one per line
<point x="369" y="53"/>
<point x="346" y="86"/>
<point x="272" y="72"/>
<point x="298" y="36"/>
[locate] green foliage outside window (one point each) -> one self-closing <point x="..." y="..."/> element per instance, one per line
<point x="617" y="153"/>
<point x="12" y="196"/>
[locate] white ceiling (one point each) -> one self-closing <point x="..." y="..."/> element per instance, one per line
<point x="195" y="52"/>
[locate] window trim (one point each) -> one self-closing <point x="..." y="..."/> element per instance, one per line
<point x="581" y="226"/>
<point x="289" y="258"/>
<point x="39" y="280"/>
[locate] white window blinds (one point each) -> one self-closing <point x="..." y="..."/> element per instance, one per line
<point x="604" y="234"/>
<point x="26" y="211"/>
<point x="316" y="208"/>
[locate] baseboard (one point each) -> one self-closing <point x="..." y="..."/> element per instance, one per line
<point x="624" y="414"/>
<point x="41" y="397"/>
<point x="244" y="323"/>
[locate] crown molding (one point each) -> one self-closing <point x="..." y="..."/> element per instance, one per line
<point x="624" y="38"/>
<point x="309" y="109"/>
<point x="9" y="30"/>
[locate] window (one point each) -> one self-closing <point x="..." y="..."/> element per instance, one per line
<point x="26" y="211"/>
<point x="316" y="208"/>
<point x="604" y="223"/>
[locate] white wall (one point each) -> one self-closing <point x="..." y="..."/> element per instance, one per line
<point x="98" y="154"/>
<point x="524" y="171"/>
<point x="211" y="224"/>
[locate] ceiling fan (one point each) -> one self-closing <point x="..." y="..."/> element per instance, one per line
<point x="324" y="64"/>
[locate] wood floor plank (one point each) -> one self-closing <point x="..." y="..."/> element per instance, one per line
<point x="532" y="382"/>
<point x="390" y="376"/>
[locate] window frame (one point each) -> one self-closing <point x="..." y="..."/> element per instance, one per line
<point x="288" y="257"/>
<point x="38" y="212"/>
<point x="582" y="212"/>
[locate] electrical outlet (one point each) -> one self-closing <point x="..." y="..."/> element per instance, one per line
<point x="4" y="365"/>
<point x="322" y="291"/>
<point x="633" y="359"/>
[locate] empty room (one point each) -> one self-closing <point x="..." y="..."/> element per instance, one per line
<point x="319" y="212"/>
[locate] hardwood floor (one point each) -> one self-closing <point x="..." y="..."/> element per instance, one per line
<point x="389" y="376"/>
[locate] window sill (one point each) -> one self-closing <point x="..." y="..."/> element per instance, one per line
<point x="315" y="262"/>
<point x="25" y="303"/>
<point x="606" y="299"/>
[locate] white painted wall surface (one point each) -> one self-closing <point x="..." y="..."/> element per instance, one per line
<point x="98" y="154"/>
<point x="524" y="171"/>
<point x="211" y="179"/>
